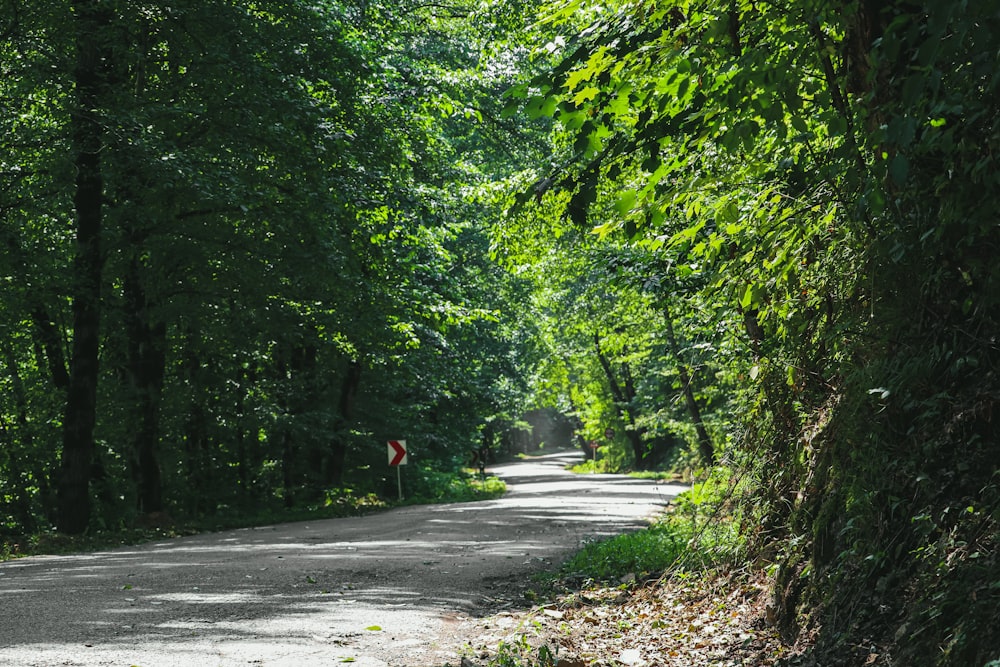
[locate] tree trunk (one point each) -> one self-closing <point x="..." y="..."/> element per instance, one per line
<point x="624" y="397"/>
<point x="146" y="368"/>
<point x="345" y="411"/>
<point x="92" y="61"/>
<point x="285" y="368"/>
<point x="243" y="465"/>
<point x="47" y="335"/>
<point x="14" y="442"/>
<point x="195" y="447"/>
<point x="307" y="403"/>
<point x="287" y="465"/>
<point x="705" y="447"/>
<point x="195" y="429"/>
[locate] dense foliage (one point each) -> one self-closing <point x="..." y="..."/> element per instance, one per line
<point x="241" y="249"/>
<point x="822" y="174"/>
<point x="242" y="244"/>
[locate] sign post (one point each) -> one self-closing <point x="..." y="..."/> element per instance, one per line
<point x="593" y="448"/>
<point x="397" y="457"/>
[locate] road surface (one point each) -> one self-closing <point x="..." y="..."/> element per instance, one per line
<point x="391" y="589"/>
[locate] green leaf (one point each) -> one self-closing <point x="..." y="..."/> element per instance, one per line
<point x="576" y="77"/>
<point x="837" y="126"/>
<point x="587" y="94"/>
<point x="899" y="169"/>
<point x="540" y="105"/>
<point x="626" y="202"/>
<point x="510" y="109"/>
<point x="730" y="212"/>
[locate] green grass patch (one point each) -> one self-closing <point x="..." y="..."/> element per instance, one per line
<point x="657" y="475"/>
<point x="435" y="487"/>
<point x="336" y="505"/>
<point x="590" y="466"/>
<point x="654" y="549"/>
<point x="695" y="532"/>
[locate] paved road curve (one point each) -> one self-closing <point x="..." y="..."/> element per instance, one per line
<point x="388" y="589"/>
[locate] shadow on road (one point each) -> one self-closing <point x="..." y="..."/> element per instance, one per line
<point x="323" y="583"/>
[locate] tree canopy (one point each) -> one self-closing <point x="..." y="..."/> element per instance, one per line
<point x="243" y="244"/>
<point x="808" y="169"/>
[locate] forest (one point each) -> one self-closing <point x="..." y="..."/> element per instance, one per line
<point x="243" y="244"/>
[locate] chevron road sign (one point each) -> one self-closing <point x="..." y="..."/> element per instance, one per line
<point x="397" y="452"/>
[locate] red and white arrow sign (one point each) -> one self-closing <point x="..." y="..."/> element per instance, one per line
<point x="397" y="452"/>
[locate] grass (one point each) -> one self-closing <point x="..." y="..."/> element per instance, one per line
<point x="589" y="466"/>
<point x="654" y="549"/>
<point x="693" y="534"/>
<point x="432" y="487"/>
<point x="657" y="475"/>
<point x="520" y="653"/>
<point x="96" y="539"/>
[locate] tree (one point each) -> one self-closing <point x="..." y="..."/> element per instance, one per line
<point x="93" y="75"/>
<point x="807" y="161"/>
<point x="271" y="202"/>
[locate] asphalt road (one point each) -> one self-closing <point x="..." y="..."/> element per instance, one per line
<point x="395" y="588"/>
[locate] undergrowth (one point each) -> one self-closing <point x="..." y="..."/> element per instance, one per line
<point x="432" y="487"/>
<point x="697" y="531"/>
<point x="590" y="466"/>
<point x="520" y="653"/>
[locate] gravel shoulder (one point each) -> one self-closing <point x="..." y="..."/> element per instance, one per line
<point x="400" y="588"/>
